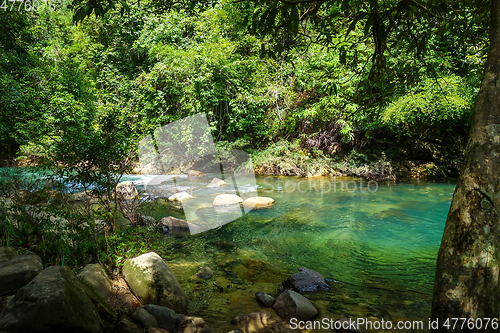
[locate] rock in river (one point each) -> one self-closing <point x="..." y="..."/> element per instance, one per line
<point x="205" y="273"/>
<point x="258" y="202"/>
<point x="306" y="280"/>
<point x="226" y="200"/>
<point x="181" y="196"/>
<point x="291" y="304"/>
<point x="265" y="299"/>
<point x="216" y="182"/>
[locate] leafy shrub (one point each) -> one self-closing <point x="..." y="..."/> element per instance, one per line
<point x="437" y="107"/>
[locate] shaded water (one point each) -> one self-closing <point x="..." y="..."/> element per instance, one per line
<point x="377" y="245"/>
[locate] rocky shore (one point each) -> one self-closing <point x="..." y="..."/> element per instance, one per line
<point x="145" y="297"/>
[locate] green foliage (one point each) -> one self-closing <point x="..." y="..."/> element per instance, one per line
<point x="442" y="106"/>
<point x="285" y="158"/>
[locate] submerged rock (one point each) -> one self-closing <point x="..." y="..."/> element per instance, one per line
<point x="291" y="304"/>
<point x="265" y="299"/>
<point x="55" y="301"/>
<point x="260" y="322"/>
<point x="150" y="279"/>
<point x="343" y="328"/>
<point x="175" y="226"/>
<point x="226" y="200"/>
<point x="205" y="273"/>
<point x="19" y="270"/>
<point x="216" y="182"/>
<point x="306" y="280"/>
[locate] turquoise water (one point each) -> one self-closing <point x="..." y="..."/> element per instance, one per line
<point x="385" y="235"/>
<point x="376" y="245"/>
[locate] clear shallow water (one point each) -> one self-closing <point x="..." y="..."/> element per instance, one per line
<point x="378" y="243"/>
<point x="386" y="235"/>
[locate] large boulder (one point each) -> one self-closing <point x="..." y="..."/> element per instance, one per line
<point x="18" y="271"/>
<point x="180" y="196"/>
<point x="226" y="200"/>
<point x="291" y="304"/>
<point x="94" y="276"/>
<point x="55" y="301"/>
<point x="216" y="182"/>
<point x="306" y="280"/>
<point x="258" y="202"/>
<point x="150" y="279"/>
<point x="176" y="323"/>
<point x="126" y="191"/>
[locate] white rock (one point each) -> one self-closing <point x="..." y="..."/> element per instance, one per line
<point x="258" y="202"/>
<point x="216" y="182"/>
<point x="226" y="200"/>
<point x="181" y="196"/>
<point x="126" y="191"/>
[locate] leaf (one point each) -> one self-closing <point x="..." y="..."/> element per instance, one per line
<point x="271" y="19"/>
<point x="125" y="5"/>
<point x="262" y="20"/>
<point x="295" y="19"/>
<point x="80" y="15"/>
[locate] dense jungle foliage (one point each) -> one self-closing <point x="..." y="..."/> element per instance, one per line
<point x="90" y="92"/>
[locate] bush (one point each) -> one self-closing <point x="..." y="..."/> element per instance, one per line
<point x="432" y="109"/>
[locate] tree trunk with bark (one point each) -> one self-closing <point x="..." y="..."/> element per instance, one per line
<point x="467" y="272"/>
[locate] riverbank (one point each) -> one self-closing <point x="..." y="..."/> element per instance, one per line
<point x="285" y="158"/>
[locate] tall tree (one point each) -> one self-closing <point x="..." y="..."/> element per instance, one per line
<point x="467" y="274"/>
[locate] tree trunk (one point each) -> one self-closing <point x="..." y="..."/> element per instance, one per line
<point x="467" y="272"/>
